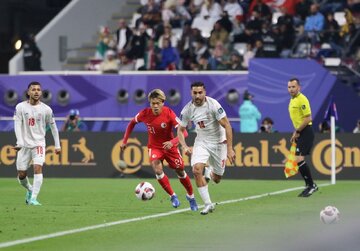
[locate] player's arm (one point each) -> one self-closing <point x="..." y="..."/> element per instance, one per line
<point x="181" y="131"/>
<point x="17" y="127"/>
<point x="224" y="122"/>
<point x="306" y="120"/>
<point x="169" y="144"/>
<point x="54" y="132"/>
<point x="129" y="129"/>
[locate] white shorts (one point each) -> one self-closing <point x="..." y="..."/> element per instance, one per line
<point x="26" y="155"/>
<point x="213" y="154"/>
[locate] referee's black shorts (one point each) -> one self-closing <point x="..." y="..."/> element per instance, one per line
<point x="305" y="141"/>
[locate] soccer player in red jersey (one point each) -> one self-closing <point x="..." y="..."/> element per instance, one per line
<point x="162" y="145"/>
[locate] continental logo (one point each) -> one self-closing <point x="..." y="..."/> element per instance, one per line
<point x="262" y="155"/>
<point x="83" y="155"/>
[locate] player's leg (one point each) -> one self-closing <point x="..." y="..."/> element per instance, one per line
<point x="199" y="159"/>
<point x="38" y="155"/>
<point x="304" y="145"/>
<point x="217" y="161"/>
<point x="22" y="164"/>
<point x="156" y="157"/>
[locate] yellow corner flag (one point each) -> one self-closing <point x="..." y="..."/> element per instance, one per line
<point x="291" y="167"/>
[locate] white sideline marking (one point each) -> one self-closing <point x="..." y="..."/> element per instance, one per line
<point x="83" y="229"/>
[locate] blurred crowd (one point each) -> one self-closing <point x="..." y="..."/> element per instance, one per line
<point x="227" y="34"/>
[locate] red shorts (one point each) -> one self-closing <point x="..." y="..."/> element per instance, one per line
<point x="172" y="157"/>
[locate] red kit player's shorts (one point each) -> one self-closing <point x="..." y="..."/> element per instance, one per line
<point x="172" y="157"/>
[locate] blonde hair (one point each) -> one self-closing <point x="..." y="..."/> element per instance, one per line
<point x="157" y="93"/>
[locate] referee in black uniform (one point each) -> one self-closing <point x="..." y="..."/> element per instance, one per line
<point x="300" y="114"/>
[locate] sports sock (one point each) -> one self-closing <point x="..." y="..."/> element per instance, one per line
<point x="186" y="182"/>
<point x="38" y="180"/>
<point x="165" y="183"/>
<point x="25" y="183"/>
<point x="204" y="194"/>
<point x="305" y="172"/>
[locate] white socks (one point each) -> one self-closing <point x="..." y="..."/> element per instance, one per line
<point x="25" y="183"/>
<point x="38" y="180"/>
<point x="204" y="193"/>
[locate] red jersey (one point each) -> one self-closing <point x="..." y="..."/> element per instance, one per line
<point x="160" y="127"/>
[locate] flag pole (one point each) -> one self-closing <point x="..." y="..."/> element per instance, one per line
<point x="333" y="156"/>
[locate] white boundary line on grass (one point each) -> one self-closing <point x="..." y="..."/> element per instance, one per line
<point x="83" y="229"/>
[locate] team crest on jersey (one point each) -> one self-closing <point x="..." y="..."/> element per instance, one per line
<point x="153" y="156"/>
<point x="220" y="110"/>
<point x="303" y="107"/>
<point x="163" y="125"/>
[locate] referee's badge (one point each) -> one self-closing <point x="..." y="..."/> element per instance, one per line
<point x="303" y="107"/>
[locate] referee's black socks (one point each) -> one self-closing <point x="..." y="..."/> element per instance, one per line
<point x="305" y="172"/>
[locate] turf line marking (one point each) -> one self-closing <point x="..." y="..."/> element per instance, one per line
<point x="109" y="224"/>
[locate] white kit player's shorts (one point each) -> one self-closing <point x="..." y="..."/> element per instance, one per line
<point x="214" y="154"/>
<point x="26" y="155"/>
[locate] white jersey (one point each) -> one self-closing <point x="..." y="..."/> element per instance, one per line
<point x="30" y="125"/>
<point x="206" y="119"/>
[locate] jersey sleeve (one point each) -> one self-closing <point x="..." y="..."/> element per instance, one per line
<point x="140" y="116"/>
<point x="305" y="107"/>
<point x="173" y="118"/>
<point x="218" y="110"/>
<point x="17" y="126"/>
<point x="184" y="118"/>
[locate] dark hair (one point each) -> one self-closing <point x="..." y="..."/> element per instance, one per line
<point x="33" y="83"/>
<point x="295" y="79"/>
<point x="198" y="84"/>
<point x="269" y="120"/>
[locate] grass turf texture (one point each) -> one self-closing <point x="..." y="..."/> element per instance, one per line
<point x="278" y="222"/>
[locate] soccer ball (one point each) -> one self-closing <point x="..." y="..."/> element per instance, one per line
<point x="329" y="215"/>
<point x="144" y="191"/>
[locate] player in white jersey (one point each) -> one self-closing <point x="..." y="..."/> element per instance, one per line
<point x="213" y="143"/>
<point x="31" y="118"/>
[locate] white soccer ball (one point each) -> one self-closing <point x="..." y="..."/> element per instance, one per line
<point x="329" y="215"/>
<point x="144" y="191"/>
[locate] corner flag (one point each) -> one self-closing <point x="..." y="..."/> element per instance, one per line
<point x="331" y="110"/>
<point x="331" y="114"/>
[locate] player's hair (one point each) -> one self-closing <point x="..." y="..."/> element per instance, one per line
<point x="198" y="84"/>
<point x="31" y="84"/>
<point x="295" y="79"/>
<point x="157" y="93"/>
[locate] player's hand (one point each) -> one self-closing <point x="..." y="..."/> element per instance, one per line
<point x="187" y="150"/>
<point x="167" y="145"/>
<point x="57" y="150"/>
<point x="123" y="146"/>
<point x="17" y="148"/>
<point x="231" y="156"/>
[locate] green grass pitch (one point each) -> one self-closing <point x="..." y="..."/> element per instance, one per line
<point x="273" y="222"/>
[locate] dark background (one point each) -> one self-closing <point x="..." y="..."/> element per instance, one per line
<point x="21" y="17"/>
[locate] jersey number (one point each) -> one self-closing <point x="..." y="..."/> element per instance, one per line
<point x="151" y="129"/>
<point x="201" y="124"/>
<point x="31" y="121"/>
<point x="39" y="150"/>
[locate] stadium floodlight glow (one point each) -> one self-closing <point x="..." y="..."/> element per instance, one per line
<point x="10" y="97"/>
<point x="18" y="44"/>
<point x="139" y="96"/>
<point x="232" y="97"/>
<point x="122" y="96"/>
<point x="174" y="97"/>
<point x="63" y="97"/>
<point x="46" y="97"/>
